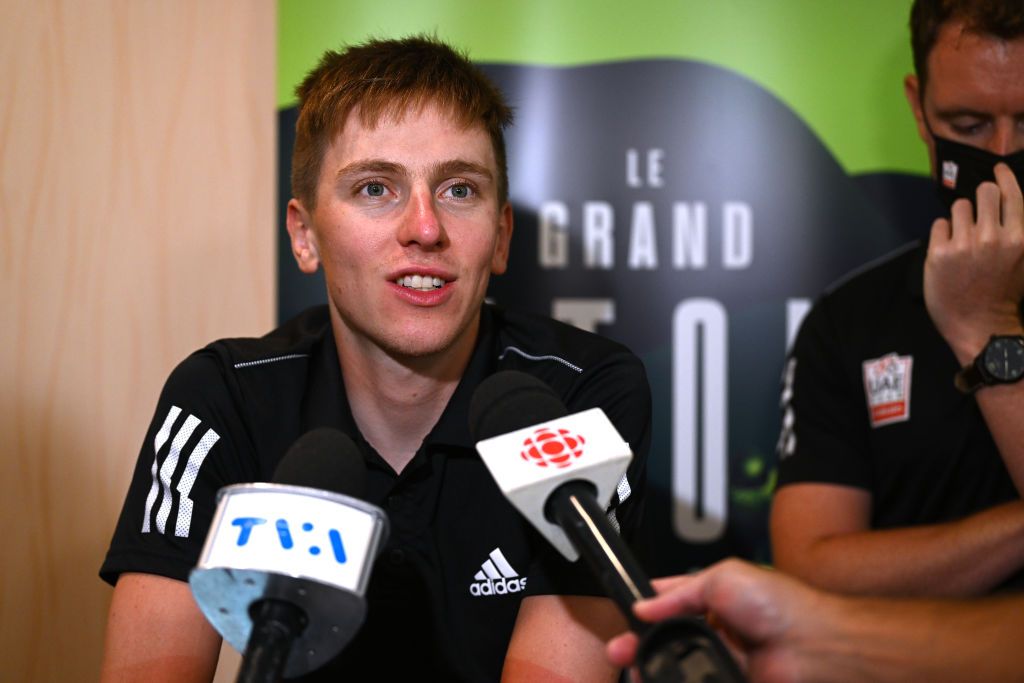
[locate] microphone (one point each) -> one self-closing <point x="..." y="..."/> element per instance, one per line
<point x="554" y="468"/>
<point x="559" y="471"/>
<point x="285" y="565"/>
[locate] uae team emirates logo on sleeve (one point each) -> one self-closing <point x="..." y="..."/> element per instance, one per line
<point x="887" y="387"/>
<point x="548" y="447"/>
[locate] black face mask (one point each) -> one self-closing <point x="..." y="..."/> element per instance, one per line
<point x="961" y="168"/>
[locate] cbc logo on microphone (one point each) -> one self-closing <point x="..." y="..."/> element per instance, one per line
<point x="556" y="448"/>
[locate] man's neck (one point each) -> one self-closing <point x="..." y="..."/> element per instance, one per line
<point x="396" y="402"/>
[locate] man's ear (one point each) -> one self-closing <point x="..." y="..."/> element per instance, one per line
<point x="915" y="98"/>
<point x="300" y="230"/>
<point x="499" y="260"/>
<point x="912" y="91"/>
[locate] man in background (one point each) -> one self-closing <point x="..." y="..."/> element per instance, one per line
<point x="902" y="451"/>
<point x="400" y="193"/>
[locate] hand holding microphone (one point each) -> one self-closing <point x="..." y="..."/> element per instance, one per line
<point x="556" y="469"/>
<point x="285" y="565"/>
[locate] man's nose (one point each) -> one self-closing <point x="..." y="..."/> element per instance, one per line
<point x="1007" y="138"/>
<point x="421" y="223"/>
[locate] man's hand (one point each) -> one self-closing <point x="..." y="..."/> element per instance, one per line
<point x="974" y="272"/>
<point x="761" y="613"/>
<point x="787" y="631"/>
<point x="973" y="286"/>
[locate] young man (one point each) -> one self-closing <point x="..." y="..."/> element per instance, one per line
<point x="401" y="196"/>
<point x="902" y="456"/>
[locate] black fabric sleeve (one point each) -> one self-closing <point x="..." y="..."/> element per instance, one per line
<point x="194" y="446"/>
<point x="824" y="424"/>
<point x="621" y="390"/>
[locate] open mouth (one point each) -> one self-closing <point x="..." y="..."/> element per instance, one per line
<point x="423" y="283"/>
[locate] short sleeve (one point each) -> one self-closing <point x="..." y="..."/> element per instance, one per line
<point x="195" y="445"/>
<point x="620" y="388"/>
<point x="823" y="437"/>
<point x="618" y="385"/>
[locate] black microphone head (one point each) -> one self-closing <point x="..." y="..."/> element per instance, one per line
<point x="326" y="459"/>
<point x="511" y="400"/>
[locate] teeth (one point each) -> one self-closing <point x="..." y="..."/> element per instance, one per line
<point x="423" y="283"/>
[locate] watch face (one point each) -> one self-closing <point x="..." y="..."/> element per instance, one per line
<point x="1004" y="358"/>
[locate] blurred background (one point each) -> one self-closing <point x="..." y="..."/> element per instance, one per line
<point x="686" y="178"/>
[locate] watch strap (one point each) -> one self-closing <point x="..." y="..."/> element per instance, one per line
<point x="970" y="378"/>
<point x="974" y="375"/>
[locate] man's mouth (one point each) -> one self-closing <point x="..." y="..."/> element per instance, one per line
<point x="424" y="283"/>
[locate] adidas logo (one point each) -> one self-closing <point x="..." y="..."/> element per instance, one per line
<point x="496" y="577"/>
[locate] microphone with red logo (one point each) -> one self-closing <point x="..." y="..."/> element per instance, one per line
<point x="560" y="471"/>
<point x="285" y="565"/>
<point x="554" y="468"/>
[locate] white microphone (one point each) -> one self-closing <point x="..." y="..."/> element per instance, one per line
<point x="530" y="462"/>
<point x="285" y="565"/>
<point x="560" y="471"/>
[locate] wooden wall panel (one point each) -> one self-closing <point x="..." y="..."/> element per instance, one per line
<point x="137" y="181"/>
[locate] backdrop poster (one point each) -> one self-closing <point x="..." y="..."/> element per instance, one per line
<point x="685" y="180"/>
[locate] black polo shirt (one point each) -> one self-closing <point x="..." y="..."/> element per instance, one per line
<point x="446" y="588"/>
<point x="869" y="402"/>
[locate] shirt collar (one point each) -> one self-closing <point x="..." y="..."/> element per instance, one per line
<point x="326" y="405"/>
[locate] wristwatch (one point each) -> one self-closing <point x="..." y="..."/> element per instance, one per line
<point x="1000" y="362"/>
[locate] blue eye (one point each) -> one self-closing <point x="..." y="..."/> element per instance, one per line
<point x="460" y="191"/>
<point x="375" y="189"/>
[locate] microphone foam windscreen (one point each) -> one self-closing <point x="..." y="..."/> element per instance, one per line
<point x="511" y="400"/>
<point x="326" y="459"/>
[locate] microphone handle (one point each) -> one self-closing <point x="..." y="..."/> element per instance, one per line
<point x="275" y="625"/>
<point x="573" y="506"/>
<point x="675" y="651"/>
<point x="685" y="649"/>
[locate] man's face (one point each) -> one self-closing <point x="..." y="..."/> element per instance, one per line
<point x="408" y="229"/>
<point x="974" y="93"/>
